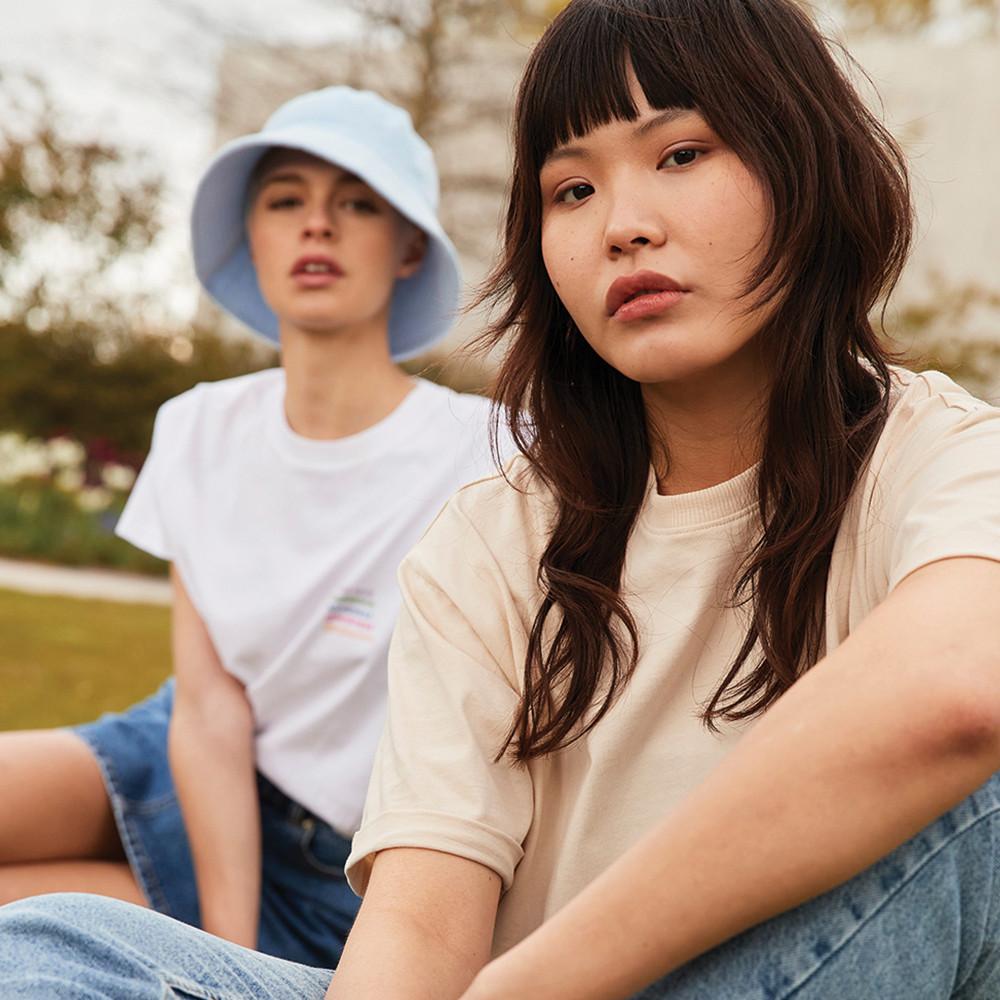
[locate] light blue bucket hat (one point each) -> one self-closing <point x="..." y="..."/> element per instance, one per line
<point x="366" y="135"/>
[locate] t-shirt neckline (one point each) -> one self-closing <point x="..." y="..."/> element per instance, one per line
<point x="726" y="501"/>
<point x="397" y="426"/>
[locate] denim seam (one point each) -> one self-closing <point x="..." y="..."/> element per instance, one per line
<point x="990" y="912"/>
<point x="144" y="873"/>
<point x="150" y="807"/>
<point x="981" y="817"/>
<point x="171" y="982"/>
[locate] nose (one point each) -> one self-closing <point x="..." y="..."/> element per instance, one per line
<point x="633" y="223"/>
<point x="319" y="224"/>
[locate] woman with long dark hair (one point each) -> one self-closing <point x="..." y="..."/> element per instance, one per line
<point x="700" y="699"/>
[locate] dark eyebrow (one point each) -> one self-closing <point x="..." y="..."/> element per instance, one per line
<point x="663" y="118"/>
<point x="282" y="177"/>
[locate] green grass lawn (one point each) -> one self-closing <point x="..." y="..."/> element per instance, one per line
<point x="64" y="660"/>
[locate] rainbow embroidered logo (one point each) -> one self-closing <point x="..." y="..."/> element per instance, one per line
<point x="353" y="614"/>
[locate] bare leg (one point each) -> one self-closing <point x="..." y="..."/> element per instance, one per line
<point x="106" y="878"/>
<point x="57" y="831"/>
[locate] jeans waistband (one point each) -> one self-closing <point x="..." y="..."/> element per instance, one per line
<point x="285" y="805"/>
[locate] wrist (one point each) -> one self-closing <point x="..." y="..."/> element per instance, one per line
<point x="240" y="930"/>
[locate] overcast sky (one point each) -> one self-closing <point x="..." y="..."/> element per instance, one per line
<point x="145" y="70"/>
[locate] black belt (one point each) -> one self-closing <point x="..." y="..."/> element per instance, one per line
<point x="286" y="805"/>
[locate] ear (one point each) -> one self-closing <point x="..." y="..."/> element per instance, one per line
<point x="415" y="250"/>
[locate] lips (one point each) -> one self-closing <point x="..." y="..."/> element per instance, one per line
<point x="317" y="264"/>
<point x="634" y="286"/>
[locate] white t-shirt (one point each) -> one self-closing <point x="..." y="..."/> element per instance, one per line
<point x="470" y="594"/>
<point x="289" y="549"/>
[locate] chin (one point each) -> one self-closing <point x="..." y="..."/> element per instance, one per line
<point x="664" y="363"/>
<point x="673" y="355"/>
<point x="318" y="322"/>
<point x="665" y="373"/>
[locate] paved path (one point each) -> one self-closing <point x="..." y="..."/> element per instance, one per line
<point x="99" y="584"/>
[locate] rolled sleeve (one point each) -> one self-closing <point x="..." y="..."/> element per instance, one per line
<point x="436" y="783"/>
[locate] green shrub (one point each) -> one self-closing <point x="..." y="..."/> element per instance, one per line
<point x="105" y="393"/>
<point x="39" y="521"/>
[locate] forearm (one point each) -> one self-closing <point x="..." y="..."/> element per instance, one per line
<point x="827" y="783"/>
<point x="424" y="930"/>
<point x="212" y="761"/>
<point x="389" y="955"/>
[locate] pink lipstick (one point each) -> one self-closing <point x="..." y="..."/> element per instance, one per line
<point x="645" y="293"/>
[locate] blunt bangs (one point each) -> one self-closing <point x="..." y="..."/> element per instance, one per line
<point x="582" y="80"/>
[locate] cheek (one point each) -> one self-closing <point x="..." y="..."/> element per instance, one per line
<point x="262" y="241"/>
<point x="549" y="258"/>
<point x="378" y="242"/>
<point x="735" y="222"/>
<point x="561" y="261"/>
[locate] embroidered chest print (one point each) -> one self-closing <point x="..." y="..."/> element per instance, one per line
<point x="352" y="614"/>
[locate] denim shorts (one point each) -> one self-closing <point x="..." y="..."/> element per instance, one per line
<point x="306" y="907"/>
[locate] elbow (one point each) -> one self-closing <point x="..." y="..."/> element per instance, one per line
<point x="220" y="714"/>
<point x="965" y="721"/>
<point x="977" y="733"/>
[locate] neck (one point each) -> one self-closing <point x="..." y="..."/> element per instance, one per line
<point x="339" y="384"/>
<point x="705" y="430"/>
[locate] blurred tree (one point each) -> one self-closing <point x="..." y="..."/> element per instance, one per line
<point x="909" y="14"/>
<point x="56" y="381"/>
<point x="83" y="350"/>
<point x="531" y="16"/>
<point x="437" y="31"/>
<point x="71" y="210"/>
<point x="927" y="332"/>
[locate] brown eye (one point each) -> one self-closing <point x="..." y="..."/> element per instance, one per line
<point x="681" y="158"/>
<point x="362" y="205"/>
<point x="576" y="193"/>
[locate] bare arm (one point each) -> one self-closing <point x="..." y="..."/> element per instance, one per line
<point x="890" y="731"/>
<point x="212" y="760"/>
<point x="424" y="930"/>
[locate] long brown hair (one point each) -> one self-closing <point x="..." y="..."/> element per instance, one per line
<point x="840" y="230"/>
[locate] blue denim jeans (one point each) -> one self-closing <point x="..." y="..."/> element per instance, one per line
<point x="921" y="924"/>
<point x="306" y="905"/>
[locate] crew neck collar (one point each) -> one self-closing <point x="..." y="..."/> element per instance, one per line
<point x="726" y="501"/>
<point x="393" y="428"/>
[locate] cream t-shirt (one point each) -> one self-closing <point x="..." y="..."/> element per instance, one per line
<point x="931" y="491"/>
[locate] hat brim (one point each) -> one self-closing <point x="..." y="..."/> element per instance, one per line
<point x="423" y="306"/>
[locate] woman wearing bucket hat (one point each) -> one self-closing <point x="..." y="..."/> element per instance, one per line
<point x="285" y="501"/>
